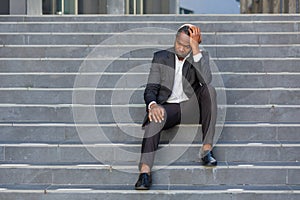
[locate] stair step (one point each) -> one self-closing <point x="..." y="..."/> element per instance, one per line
<point x="209" y="38"/>
<point x="132" y="133"/>
<point x="85" y="192"/>
<point x="232" y="174"/>
<point x="103" y="96"/>
<point x="139" y="79"/>
<point x="115" y="153"/>
<point x="10" y="113"/>
<point x="152" y="17"/>
<point x="145" y="51"/>
<point x="120" y="26"/>
<point x="58" y="65"/>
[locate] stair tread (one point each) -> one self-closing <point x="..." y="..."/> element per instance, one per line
<point x="154" y="189"/>
<point x="132" y="165"/>
<point x="220" y="144"/>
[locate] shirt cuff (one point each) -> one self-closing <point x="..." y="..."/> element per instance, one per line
<point x="197" y="57"/>
<point x="150" y="104"/>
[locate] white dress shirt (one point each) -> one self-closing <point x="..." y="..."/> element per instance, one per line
<point x="178" y="94"/>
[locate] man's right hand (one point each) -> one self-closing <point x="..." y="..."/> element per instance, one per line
<point x="156" y="113"/>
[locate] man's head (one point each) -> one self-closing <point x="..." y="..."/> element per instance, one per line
<point x="182" y="42"/>
<point x="186" y="34"/>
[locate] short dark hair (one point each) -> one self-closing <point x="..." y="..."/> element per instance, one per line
<point x="184" y="29"/>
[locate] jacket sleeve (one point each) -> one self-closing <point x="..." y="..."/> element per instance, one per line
<point x="154" y="80"/>
<point x="203" y="70"/>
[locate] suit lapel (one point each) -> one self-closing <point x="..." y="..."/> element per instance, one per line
<point x="186" y="66"/>
<point x="170" y="62"/>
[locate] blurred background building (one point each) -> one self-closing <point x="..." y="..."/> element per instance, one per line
<point x="211" y="6"/>
<point x="269" y="6"/>
<point x="39" y="7"/>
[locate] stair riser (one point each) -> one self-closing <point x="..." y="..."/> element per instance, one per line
<point x="163" y="39"/>
<point x="175" y="176"/>
<point x="129" y="115"/>
<point x="147" y="52"/>
<point x="168" y="154"/>
<point x="174" y="195"/>
<point x="173" y="26"/>
<point x="132" y="134"/>
<point x="168" y="18"/>
<point x="132" y="80"/>
<point x="143" y="18"/>
<point x="108" y="97"/>
<point x="263" y="65"/>
<point x="142" y="65"/>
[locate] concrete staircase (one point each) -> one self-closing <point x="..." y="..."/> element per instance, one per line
<point x="71" y="105"/>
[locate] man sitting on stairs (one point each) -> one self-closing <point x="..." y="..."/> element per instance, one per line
<point x="178" y="91"/>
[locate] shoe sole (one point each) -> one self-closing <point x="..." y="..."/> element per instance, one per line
<point x="142" y="188"/>
<point x="209" y="165"/>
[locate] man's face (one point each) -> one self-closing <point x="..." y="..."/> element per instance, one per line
<point x="182" y="45"/>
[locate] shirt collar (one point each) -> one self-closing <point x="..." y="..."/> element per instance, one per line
<point x="177" y="59"/>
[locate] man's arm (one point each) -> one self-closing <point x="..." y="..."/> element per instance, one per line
<point x="155" y="111"/>
<point x="202" y="66"/>
<point x="203" y="70"/>
<point x="153" y="84"/>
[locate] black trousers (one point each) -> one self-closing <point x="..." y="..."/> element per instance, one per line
<point x="200" y="108"/>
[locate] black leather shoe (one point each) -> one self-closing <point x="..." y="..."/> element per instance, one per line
<point x="208" y="159"/>
<point x="144" y="182"/>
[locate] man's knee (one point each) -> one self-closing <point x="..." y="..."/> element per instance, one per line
<point x="152" y="128"/>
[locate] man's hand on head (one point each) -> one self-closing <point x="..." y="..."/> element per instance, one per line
<point x="195" y="39"/>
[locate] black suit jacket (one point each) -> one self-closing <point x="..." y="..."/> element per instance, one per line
<point x="162" y="74"/>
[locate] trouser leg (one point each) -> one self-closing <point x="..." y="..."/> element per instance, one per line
<point x="202" y="108"/>
<point x="208" y="112"/>
<point x="153" y="130"/>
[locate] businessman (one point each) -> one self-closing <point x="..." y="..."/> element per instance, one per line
<point x="178" y="91"/>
